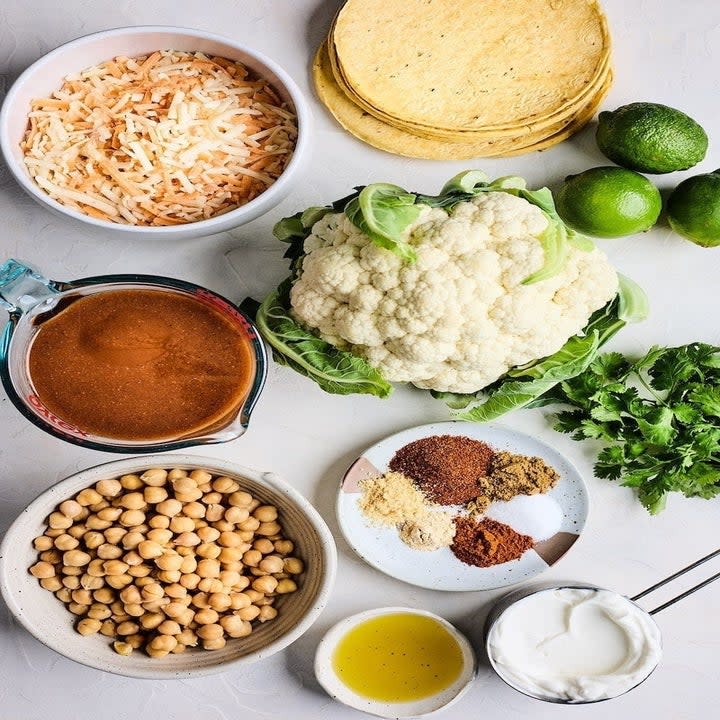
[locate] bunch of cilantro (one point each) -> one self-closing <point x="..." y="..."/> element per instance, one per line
<point x="660" y="416"/>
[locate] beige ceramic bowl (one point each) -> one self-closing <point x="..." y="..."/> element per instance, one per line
<point x="42" y="614"/>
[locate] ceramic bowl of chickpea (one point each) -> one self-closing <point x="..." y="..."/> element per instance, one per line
<point x="167" y="566"/>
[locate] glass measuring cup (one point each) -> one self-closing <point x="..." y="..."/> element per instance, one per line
<point x="29" y="297"/>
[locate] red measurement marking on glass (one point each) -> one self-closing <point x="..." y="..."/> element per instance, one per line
<point x="53" y="419"/>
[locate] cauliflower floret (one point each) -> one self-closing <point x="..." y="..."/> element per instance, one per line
<point x="459" y="317"/>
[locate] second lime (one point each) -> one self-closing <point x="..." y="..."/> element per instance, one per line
<point x="608" y="202"/>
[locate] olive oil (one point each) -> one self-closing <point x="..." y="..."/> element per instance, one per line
<point x="398" y="657"/>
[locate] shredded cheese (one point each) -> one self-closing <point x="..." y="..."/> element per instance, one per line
<point x="163" y="139"/>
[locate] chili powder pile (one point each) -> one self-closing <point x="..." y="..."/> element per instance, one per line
<point x="487" y="542"/>
<point x="447" y="468"/>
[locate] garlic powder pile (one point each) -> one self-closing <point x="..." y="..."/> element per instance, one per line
<point x="164" y="139"/>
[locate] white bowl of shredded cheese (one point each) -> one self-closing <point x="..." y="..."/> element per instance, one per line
<point x="155" y="131"/>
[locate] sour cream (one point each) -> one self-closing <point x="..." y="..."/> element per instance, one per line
<point x="574" y="644"/>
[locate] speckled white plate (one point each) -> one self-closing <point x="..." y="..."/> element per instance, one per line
<point x="382" y="548"/>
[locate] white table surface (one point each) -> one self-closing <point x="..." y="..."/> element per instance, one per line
<point x="665" y="51"/>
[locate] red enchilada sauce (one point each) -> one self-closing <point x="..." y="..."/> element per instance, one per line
<point x="141" y="365"/>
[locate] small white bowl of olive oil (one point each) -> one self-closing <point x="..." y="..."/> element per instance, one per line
<point x="395" y="662"/>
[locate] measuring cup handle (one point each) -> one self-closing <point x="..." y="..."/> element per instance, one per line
<point x="22" y="287"/>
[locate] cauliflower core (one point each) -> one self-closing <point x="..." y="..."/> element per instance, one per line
<point x="458" y="318"/>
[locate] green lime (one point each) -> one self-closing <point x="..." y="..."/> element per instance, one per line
<point x="693" y="209"/>
<point x="651" y="138"/>
<point x="608" y="202"/>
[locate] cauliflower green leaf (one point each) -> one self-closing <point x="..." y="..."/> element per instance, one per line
<point x="334" y="370"/>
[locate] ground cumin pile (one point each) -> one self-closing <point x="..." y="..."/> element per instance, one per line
<point x="510" y="475"/>
<point x="487" y="542"/>
<point x="447" y="468"/>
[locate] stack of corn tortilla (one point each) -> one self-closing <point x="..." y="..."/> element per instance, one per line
<point x="458" y="79"/>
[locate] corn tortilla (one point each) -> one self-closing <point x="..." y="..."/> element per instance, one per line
<point x="470" y="64"/>
<point x="470" y="135"/>
<point x="386" y="137"/>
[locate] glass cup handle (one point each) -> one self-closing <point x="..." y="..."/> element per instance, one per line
<point x="22" y="287"/>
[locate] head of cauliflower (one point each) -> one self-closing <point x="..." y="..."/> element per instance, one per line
<point x="459" y="317"/>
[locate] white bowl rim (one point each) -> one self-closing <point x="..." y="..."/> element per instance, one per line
<point x="203" y="227"/>
<point x="115" y="468"/>
<point x="342" y="693"/>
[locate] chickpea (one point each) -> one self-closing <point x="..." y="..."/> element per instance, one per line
<point x="208" y="534"/>
<point x="108" y="628"/>
<point x="67" y="570"/>
<point x="267" y="612"/>
<point x="187" y="637"/>
<point x="159" y="522"/>
<point x="115" y="567"/>
<point x="169" y="561"/>
<point x="169" y="507"/>
<point x="93" y="539"/>
<point x="294" y="566"/>
<point x="173" y="609"/>
<point x="132" y="539"/>
<point x="210" y="585"/>
<point x="194" y="510"/>
<point x="184" y="485"/>
<point x="169" y="627"/>
<point x="190" y="580"/>
<point x="236" y="514"/>
<point x="161" y="536"/>
<point x="63" y="594"/>
<point x="187" y="539"/>
<point x="208" y="567"/>
<point x="176" y="473"/>
<point x="135" y="641"/>
<point x="265" y="584"/>
<point x="76" y="531"/>
<point x="70" y="508"/>
<point x="82" y="596"/>
<point x="88" y="496"/>
<point x="219" y="601"/>
<point x="214" y="512"/>
<point x="148" y="549"/>
<point x="239" y="600"/>
<point x="235" y="627"/>
<point x="130" y="594"/>
<point x="154" y="494"/>
<point x="161" y="646"/>
<point x="201" y="476"/>
<point x="271" y="564"/>
<point x="224" y="526"/>
<point x="58" y="521"/>
<point x="152" y="591"/>
<point x="134" y="610"/>
<point x="96" y="507"/>
<point x="251" y="525"/>
<point x="285" y="586"/>
<point x="89" y="582"/>
<point x="122" y="648"/>
<point x="248" y="613"/>
<point x="188" y="564"/>
<point x="212" y="631"/>
<point x="229" y="578"/>
<point x="156" y="605"/>
<point x="54" y="532"/>
<point x="217" y="644"/>
<point x="88" y="626"/>
<point x="240" y="499"/>
<point x="140" y="571"/>
<point x="51" y="583"/>
<point x="264" y="545"/>
<point x="225" y="485"/>
<point x="72" y="582"/>
<point x="104" y="595"/>
<point x="181" y="524"/>
<point x="200" y="600"/>
<point x="252" y="557"/>
<point x="42" y="570"/>
<point x="254" y="595"/>
<point x="108" y="488"/>
<point x="190" y="496"/>
<point x="132" y="518"/>
<point x="76" y="558"/>
<point x="77" y="608"/>
<point x="106" y="551"/>
<point x="132" y="558"/>
<point x="118" y="581"/>
<point x="42" y="542"/>
<point x="155" y="477"/>
<point x="229" y="539"/>
<point x="265" y="513"/>
<point x="93" y="522"/>
<point x="113" y="535"/>
<point x="127" y="628"/>
<point x="176" y="590"/>
<point x="268" y="528"/>
<point x="149" y="621"/>
<point x="206" y="616"/>
<point x="208" y="550"/>
<point x="98" y="611"/>
<point x="230" y="555"/>
<point x="109" y="513"/>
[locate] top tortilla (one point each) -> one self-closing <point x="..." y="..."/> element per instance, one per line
<point x="470" y="64"/>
